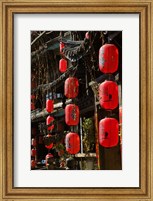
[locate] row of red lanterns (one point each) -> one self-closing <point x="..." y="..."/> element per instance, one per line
<point x="72" y="113"/>
<point x="50" y="119"/>
<point x="71" y="89"/>
<point x="50" y="103"/>
<point x="108" y="95"/>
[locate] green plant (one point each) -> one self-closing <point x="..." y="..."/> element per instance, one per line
<point x="88" y="135"/>
<point x="60" y="147"/>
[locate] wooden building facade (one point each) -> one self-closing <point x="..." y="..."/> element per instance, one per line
<point x="80" y="50"/>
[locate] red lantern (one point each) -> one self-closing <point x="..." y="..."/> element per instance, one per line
<point x="72" y="115"/>
<point x="48" y="121"/>
<point x="33" y="152"/>
<point x="62" y="65"/>
<point x="72" y="141"/>
<point x="62" y="45"/>
<point x="33" y="97"/>
<point x="49" y="146"/>
<point x="108" y="58"/>
<point x="71" y="87"/>
<point x="33" y="164"/>
<point x="108" y="95"/>
<point x="49" y="158"/>
<point x="87" y="36"/>
<point x="108" y="132"/>
<point x="32" y="102"/>
<point x="33" y="142"/>
<point x="49" y="105"/>
<point x="32" y="106"/>
<point x="120" y="114"/>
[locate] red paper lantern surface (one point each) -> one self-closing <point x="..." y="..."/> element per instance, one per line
<point x="120" y="114"/>
<point x="32" y="102"/>
<point x="72" y="115"/>
<point x="62" y="65"/>
<point x="32" y="106"/>
<point x="33" y="142"/>
<point x="33" y="164"/>
<point x="33" y="97"/>
<point x="108" y="132"/>
<point x="108" y="58"/>
<point x="49" y="105"/>
<point x="49" y="158"/>
<point x="33" y="152"/>
<point x="72" y="141"/>
<point x="49" y="120"/>
<point x="108" y="95"/>
<point x="50" y="145"/>
<point x="71" y="87"/>
<point x="62" y="45"/>
<point x="87" y="36"/>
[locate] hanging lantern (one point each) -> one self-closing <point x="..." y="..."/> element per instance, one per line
<point x="72" y="141"/>
<point x="50" y="145"/>
<point x="49" y="105"/>
<point x="33" y="152"/>
<point x="50" y="120"/>
<point x="62" y="45"/>
<point x="108" y="132"/>
<point x="72" y="115"/>
<point x="33" y="142"/>
<point x="87" y="36"/>
<point x="33" y="164"/>
<point x="71" y="87"/>
<point x="120" y="114"/>
<point x="108" y="95"/>
<point x="33" y="102"/>
<point x="32" y="106"/>
<point x="49" y="158"/>
<point x="62" y="65"/>
<point x="33" y="97"/>
<point x="108" y="58"/>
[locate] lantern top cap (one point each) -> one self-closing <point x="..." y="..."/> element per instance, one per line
<point x="50" y="117"/>
<point x="109" y="44"/>
<point x="49" y="154"/>
<point x="72" y="133"/>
